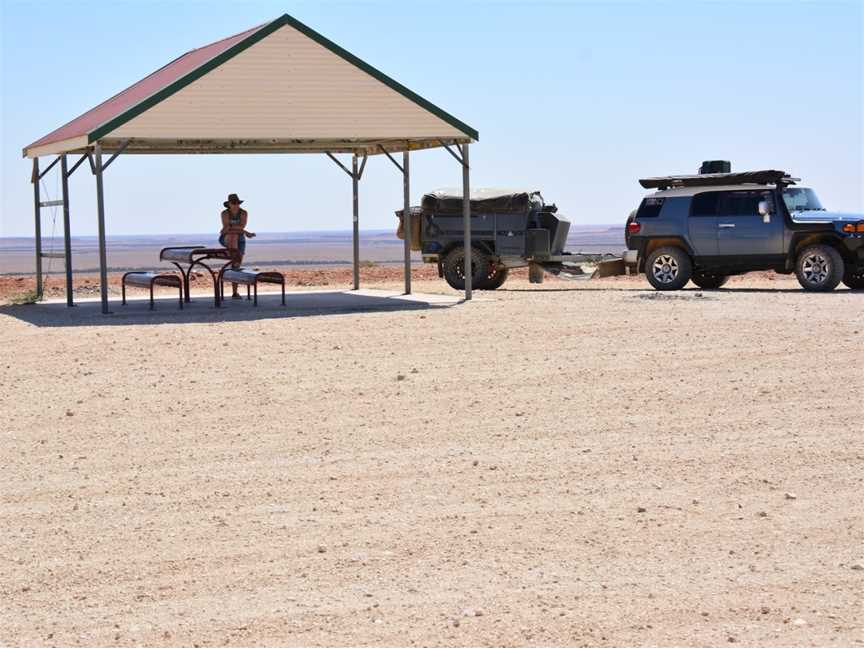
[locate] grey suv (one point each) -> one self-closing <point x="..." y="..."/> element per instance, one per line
<point x="704" y="228"/>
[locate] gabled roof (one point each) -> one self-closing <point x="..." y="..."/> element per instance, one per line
<point x="278" y="87"/>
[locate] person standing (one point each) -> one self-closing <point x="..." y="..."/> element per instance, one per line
<point x="233" y="234"/>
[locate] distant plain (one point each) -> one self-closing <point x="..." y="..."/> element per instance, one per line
<point x="278" y="249"/>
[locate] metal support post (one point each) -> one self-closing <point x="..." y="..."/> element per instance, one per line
<point x="37" y="227"/>
<point x="67" y="236"/>
<point x="466" y="217"/>
<point x="406" y="215"/>
<point x="355" y="186"/>
<point x="356" y="174"/>
<point x="100" y="212"/>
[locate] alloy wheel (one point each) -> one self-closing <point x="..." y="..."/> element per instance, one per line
<point x="815" y="268"/>
<point x="665" y="268"/>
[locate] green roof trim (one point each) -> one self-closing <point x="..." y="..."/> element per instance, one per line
<point x="106" y="128"/>
<point x="383" y="78"/>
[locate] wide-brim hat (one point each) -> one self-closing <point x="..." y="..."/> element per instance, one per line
<point x="232" y="198"/>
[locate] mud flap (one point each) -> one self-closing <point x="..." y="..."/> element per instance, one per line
<point x="535" y="273"/>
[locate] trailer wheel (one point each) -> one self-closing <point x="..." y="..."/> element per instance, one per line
<point x="495" y="279"/>
<point x="709" y="281"/>
<point x="454" y="268"/>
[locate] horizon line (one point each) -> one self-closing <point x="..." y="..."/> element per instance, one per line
<point x="274" y="233"/>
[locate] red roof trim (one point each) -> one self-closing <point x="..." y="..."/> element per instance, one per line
<point x="138" y="92"/>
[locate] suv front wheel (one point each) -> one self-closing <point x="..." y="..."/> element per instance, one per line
<point x="819" y="268"/>
<point x="668" y="268"/>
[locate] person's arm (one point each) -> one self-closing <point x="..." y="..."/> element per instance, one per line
<point x="244" y="218"/>
<point x="224" y="223"/>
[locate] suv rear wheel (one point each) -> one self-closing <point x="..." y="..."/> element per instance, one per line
<point x="819" y="268"/>
<point x="668" y="268"/>
<point x="709" y="281"/>
<point x="454" y="268"/>
<point x="854" y="279"/>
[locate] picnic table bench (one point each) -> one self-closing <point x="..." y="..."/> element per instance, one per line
<point x="197" y="255"/>
<point x="149" y="280"/>
<point x="250" y="278"/>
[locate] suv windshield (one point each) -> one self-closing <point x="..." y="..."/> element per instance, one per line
<point x="801" y="199"/>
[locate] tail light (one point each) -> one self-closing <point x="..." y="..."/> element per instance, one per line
<point x="851" y="228"/>
<point x="633" y="227"/>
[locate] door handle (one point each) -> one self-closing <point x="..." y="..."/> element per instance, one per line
<point x="726" y="225"/>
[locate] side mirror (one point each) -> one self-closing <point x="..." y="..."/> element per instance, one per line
<point x="765" y="210"/>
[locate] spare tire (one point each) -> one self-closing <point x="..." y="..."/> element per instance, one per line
<point x="630" y="219"/>
<point x="454" y="268"/>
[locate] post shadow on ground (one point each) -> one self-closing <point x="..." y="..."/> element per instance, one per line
<point x="201" y="309"/>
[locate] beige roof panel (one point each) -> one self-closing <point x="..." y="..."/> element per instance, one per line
<point x="281" y="87"/>
<point x="287" y="86"/>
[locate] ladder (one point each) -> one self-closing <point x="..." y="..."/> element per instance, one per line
<point x="39" y="205"/>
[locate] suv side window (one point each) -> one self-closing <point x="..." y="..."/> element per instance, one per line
<point x="741" y="203"/>
<point x="705" y="203"/>
<point x="650" y="207"/>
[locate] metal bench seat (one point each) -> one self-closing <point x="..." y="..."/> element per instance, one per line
<point x="150" y="279"/>
<point x="251" y="278"/>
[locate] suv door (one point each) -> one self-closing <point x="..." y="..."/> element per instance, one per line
<point x="742" y="230"/>
<point x="702" y="224"/>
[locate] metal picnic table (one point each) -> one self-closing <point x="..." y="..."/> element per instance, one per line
<point x="192" y="255"/>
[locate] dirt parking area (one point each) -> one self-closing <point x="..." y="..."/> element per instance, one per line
<point x="587" y="464"/>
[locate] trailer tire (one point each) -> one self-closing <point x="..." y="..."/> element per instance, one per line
<point x="709" y="281"/>
<point x="454" y="268"/>
<point x="495" y="279"/>
<point x="668" y="268"/>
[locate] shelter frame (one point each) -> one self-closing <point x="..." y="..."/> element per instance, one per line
<point x="162" y="114"/>
<point x="94" y="156"/>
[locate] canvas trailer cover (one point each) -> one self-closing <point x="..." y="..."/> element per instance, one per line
<point x="483" y="201"/>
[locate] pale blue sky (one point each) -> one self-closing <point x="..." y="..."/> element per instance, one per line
<point x="576" y="99"/>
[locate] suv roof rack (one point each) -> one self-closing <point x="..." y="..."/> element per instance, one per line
<point x="768" y="176"/>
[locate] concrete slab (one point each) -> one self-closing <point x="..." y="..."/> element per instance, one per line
<point x="298" y="303"/>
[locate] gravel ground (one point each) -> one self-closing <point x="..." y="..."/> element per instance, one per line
<point x="587" y="464"/>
